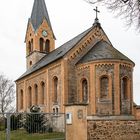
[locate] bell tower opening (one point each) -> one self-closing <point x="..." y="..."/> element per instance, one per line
<point x="30" y="63"/>
<point x="29" y="48"/>
<point x="47" y="46"/>
<point x="41" y="42"/>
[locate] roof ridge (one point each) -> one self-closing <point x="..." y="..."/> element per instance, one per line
<point x="56" y="54"/>
<point x="61" y="47"/>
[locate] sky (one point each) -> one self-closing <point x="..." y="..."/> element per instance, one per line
<point x="68" y="19"/>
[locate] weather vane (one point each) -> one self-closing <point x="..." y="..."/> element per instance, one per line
<point x="97" y="11"/>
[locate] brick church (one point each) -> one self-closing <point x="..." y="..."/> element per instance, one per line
<point x="87" y="70"/>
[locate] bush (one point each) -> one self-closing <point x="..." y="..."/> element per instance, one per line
<point x="15" y="122"/>
<point x="35" y="121"/>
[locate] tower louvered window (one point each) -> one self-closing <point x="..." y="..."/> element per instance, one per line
<point x="41" y="42"/>
<point x="47" y="46"/>
<point x="29" y="48"/>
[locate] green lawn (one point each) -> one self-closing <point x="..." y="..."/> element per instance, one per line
<point x="23" y="135"/>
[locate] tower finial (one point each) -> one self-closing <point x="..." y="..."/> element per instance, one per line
<point x="97" y="11"/>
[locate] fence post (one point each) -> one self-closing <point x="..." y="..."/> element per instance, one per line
<point x="8" y="126"/>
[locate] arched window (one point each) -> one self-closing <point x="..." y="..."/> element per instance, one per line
<point x="57" y="110"/>
<point x="84" y="90"/>
<point x="41" y="42"/>
<point x="29" y="48"/>
<point x="29" y="97"/>
<point x="124" y="88"/>
<point x="47" y="46"/>
<point x="31" y="45"/>
<point x="21" y="99"/>
<point x="42" y="92"/>
<point x="30" y="63"/>
<point x="55" y="97"/>
<point x="53" y="111"/>
<point x="36" y="94"/>
<point x="104" y="87"/>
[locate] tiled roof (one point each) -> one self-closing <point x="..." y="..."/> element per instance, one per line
<point x="56" y="54"/>
<point x="103" y="50"/>
<point x="39" y="12"/>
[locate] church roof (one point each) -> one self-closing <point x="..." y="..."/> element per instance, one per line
<point x="103" y="50"/>
<point x="56" y="54"/>
<point x="39" y="12"/>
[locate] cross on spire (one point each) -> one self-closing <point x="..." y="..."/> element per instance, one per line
<point x="97" y="11"/>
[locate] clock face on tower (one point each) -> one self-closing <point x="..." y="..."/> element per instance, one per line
<point x="44" y="33"/>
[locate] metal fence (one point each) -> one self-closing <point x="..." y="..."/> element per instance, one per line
<point x="32" y="126"/>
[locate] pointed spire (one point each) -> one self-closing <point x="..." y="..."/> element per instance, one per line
<point x="39" y="12"/>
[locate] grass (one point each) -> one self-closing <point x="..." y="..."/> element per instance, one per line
<point x="23" y="135"/>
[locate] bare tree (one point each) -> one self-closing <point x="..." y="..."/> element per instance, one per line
<point x="128" y="9"/>
<point x="7" y="95"/>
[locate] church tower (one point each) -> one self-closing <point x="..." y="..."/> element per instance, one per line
<point x="40" y="39"/>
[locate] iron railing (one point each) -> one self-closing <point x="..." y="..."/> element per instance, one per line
<point x="28" y="126"/>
